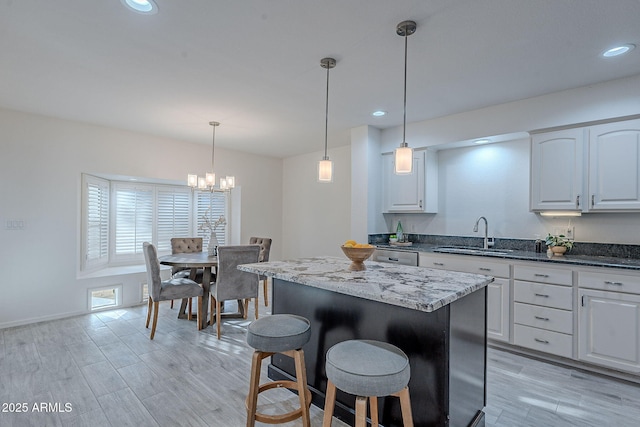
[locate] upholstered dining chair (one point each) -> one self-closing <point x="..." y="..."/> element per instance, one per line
<point x="166" y="290"/>
<point x="265" y="247"/>
<point x="233" y="284"/>
<point x="185" y="245"/>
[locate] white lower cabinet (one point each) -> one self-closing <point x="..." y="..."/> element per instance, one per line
<point x="498" y="292"/>
<point x="609" y="321"/>
<point x="543" y="309"/>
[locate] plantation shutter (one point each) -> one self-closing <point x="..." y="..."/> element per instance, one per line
<point x="212" y="206"/>
<point x="173" y="216"/>
<point x="133" y="219"/>
<point x="96" y="221"/>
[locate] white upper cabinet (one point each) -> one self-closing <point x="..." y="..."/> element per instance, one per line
<point x="595" y="168"/>
<point x="614" y="166"/>
<point x="413" y="193"/>
<point x="557" y="170"/>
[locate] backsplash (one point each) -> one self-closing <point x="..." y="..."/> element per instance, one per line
<point x="580" y="248"/>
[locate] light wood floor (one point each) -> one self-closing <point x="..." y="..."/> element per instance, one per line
<point x="107" y="369"/>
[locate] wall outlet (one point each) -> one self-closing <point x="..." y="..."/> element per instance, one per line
<point x="570" y="233"/>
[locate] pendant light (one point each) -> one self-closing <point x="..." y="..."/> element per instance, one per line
<point x="404" y="153"/>
<point x="325" y="166"/>
<point x="208" y="182"/>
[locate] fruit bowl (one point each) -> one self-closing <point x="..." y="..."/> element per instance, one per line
<point x="357" y="256"/>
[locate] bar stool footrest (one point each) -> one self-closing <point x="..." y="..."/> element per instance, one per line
<point x="281" y="418"/>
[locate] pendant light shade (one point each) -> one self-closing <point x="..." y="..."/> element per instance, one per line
<point x="325" y="166"/>
<point x="404" y="154"/>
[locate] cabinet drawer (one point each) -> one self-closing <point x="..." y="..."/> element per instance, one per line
<point x="610" y="282"/>
<point x="542" y="274"/>
<point x="466" y="264"/>
<point x="543" y="340"/>
<point x="544" y="295"/>
<point x="551" y="319"/>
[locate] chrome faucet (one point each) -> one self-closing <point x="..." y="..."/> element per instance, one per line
<point x="486" y="231"/>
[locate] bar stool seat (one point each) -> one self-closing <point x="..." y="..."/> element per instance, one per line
<point x="367" y="369"/>
<point x="285" y="334"/>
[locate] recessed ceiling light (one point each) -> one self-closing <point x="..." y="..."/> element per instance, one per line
<point x="481" y="141"/>
<point x="379" y="113"/>
<point x="147" y="7"/>
<point x="618" y="50"/>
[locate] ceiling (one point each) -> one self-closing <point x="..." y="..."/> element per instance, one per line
<point x="254" y="65"/>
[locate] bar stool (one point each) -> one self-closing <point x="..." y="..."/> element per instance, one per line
<point x="367" y="369"/>
<point x="285" y="334"/>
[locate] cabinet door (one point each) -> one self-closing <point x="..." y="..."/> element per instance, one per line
<point x="403" y="193"/>
<point x="557" y="167"/>
<point x="614" y="166"/>
<point x="498" y="310"/>
<point x="609" y="329"/>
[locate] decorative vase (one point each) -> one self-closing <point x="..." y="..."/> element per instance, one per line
<point x="212" y="247"/>
<point x="558" y="250"/>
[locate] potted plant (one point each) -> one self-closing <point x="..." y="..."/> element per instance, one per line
<point x="558" y="244"/>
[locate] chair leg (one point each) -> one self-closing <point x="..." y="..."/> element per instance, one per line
<point x="361" y="411"/>
<point x="171" y="303"/>
<point x="218" y="318"/>
<point x="254" y="385"/>
<point x="149" y="310"/>
<point x="257" y="304"/>
<point x="199" y="311"/>
<point x="155" y="319"/>
<point x="301" y="375"/>
<point x="405" y="406"/>
<point x="373" y="410"/>
<point x="266" y="293"/>
<point x="246" y="308"/>
<point x="212" y="310"/>
<point x="189" y="303"/>
<point x="329" y="403"/>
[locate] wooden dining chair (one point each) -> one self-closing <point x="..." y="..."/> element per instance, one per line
<point x="265" y="247"/>
<point x="233" y="284"/>
<point x="166" y="290"/>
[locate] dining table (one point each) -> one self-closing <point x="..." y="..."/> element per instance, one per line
<point x="208" y="264"/>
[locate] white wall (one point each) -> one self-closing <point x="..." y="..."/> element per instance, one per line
<point x="315" y="216"/>
<point x="493" y="180"/>
<point x="41" y="162"/>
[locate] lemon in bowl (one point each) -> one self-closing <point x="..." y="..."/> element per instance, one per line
<point x="357" y="253"/>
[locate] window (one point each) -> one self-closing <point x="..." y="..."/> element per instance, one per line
<point x="118" y="216"/>
<point x="107" y="297"/>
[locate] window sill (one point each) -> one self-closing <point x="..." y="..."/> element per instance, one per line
<point x="117" y="271"/>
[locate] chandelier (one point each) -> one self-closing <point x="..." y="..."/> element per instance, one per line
<point x="208" y="182"/>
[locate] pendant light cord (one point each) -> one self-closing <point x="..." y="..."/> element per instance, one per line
<point x="326" y="117"/>
<point x="213" y="144"/>
<point x="404" y="114"/>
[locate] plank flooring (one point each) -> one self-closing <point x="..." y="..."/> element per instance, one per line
<point x="106" y="370"/>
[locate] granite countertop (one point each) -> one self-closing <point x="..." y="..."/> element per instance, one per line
<point x="582" y="260"/>
<point x="417" y="288"/>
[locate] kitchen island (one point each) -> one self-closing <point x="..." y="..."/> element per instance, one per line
<point x="436" y="317"/>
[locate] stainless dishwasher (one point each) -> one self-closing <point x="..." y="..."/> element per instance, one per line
<point x="393" y="256"/>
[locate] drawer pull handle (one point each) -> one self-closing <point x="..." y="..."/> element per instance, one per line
<point x="438" y="263"/>
<point x="607" y="282"/>
<point x="541" y="275"/>
<point x="541" y="341"/>
<point x="484" y="269"/>
<point x="542" y="295"/>
<point x="542" y="318"/>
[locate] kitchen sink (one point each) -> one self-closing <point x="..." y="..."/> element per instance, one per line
<point x="471" y="250"/>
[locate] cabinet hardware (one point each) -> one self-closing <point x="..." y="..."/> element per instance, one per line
<point x="593" y="197"/>
<point x="484" y="269"/>
<point x="541" y="341"/>
<point x="393" y="259"/>
<point x="438" y="263"/>
<point x="577" y="201"/>
<point x="420" y="203"/>
<point x="542" y="318"/>
<point x="607" y="282"/>
<point x="541" y="275"/>
<point x="542" y="295"/>
<point x="582" y="300"/>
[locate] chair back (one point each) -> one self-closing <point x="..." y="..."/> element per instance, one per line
<point x="232" y="283"/>
<point x="153" y="270"/>
<point x="265" y="247"/>
<point x="184" y="245"/>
